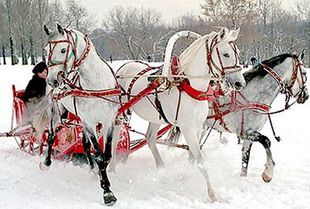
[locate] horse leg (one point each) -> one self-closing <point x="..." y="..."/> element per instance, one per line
<point x="246" y="151"/>
<point x="48" y="161"/>
<point x="108" y="196"/>
<point x="54" y="117"/>
<point x="50" y="140"/>
<point x="116" y="137"/>
<point x="269" y="166"/>
<point x="86" y="147"/>
<point x="151" y="136"/>
<point x="102" y="160"/>
<point x="255" y="136"/>
<point x="192" y="138"/>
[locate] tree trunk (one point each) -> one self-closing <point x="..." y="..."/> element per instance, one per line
<point x="13" y="57"/>
<point x="3" y="54"/>
<point x="31" y="50"/>
<point x="24" y="55"/>
<point x="14" y="61"/>
<point x="41" y="30"/>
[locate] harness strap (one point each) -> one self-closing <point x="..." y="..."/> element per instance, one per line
<point x="178" y="108"/>
<point x="160" y="109"/>
<point x="235" y="105"/>
<point x="87" y="93"/>
<point x="272" y="128"/>
<point x="209" y="95"/>
<point x="133" y="81"/>
<point x="275" y="75"/>
<point x="184" y="85"/>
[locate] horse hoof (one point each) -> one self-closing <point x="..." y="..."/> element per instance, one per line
<point x="43" y="167"/>
<point x="109" y="199"/>
<point x="266" y="178"/>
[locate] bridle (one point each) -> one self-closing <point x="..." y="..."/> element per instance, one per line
<point x="75" y="89"/>
<point x="287" y="87"/>
<point x="71" y="42"/>
<point x="222" y="69"/>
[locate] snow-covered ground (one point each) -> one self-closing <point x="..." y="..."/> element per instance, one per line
<point x="138" y="184"/>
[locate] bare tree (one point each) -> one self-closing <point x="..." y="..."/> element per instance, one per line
<point x="131" y="29"/>
<point x="77" y="16"/>
<point x="8" y="5"/>
<point x="56" y="13"/>
<point x="303" y="11"/>
<point x="229" y="13"/>
<point x="22" y="14"/>
<point x="41" y="9"/>
<point x="3" y="30"/>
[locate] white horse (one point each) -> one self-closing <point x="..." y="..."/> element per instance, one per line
<point x="285" y="74"/>
<point x="213" y="56"/>
<point x="85" y="85"/>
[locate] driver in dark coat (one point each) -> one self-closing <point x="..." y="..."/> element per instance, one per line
<point x="36" y="87"/>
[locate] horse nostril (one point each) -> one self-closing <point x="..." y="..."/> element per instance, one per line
<point x="238" y="85"/>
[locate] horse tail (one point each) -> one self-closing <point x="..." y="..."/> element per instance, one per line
<point x="174" y="135"/>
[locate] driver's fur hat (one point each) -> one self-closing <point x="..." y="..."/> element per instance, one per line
<point x="39" y="67"/>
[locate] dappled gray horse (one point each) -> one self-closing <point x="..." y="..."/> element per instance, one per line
<point x="281" y="74"/>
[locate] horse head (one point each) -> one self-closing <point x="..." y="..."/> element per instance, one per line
<point x="65" y="54"/>
<point x="296" y="82"/>
<point x="223" y="58"/>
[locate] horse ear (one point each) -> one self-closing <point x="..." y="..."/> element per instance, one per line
<point x="234" y="34"/>
<point x="46" y="30"/>
<point x="223" y="32"/>
<point x="60" y="29"/>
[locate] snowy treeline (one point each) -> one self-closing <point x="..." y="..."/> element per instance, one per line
<point x="140" y="33"/>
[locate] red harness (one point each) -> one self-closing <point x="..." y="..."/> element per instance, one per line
<point x="241" y="104"/>
<point x="184" y="85"/>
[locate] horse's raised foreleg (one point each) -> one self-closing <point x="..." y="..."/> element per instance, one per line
<point x="269" y="166"/>
<point x="102" y="160"/>
<point x="192" y="139"/>
<point x="151" y="136"/>
<point x="255" y="136"/>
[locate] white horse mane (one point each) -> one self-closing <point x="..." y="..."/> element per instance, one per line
<point x="187" y="55"/>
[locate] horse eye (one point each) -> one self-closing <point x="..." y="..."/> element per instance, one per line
<point x="226" y="55"/>
<point x="63" y="50"/>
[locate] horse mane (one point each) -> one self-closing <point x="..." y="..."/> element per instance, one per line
<point x="258" y="70"/>
<point x="191" y="51"/>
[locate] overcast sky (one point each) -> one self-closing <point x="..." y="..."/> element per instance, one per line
<point x="169" y="9"/>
